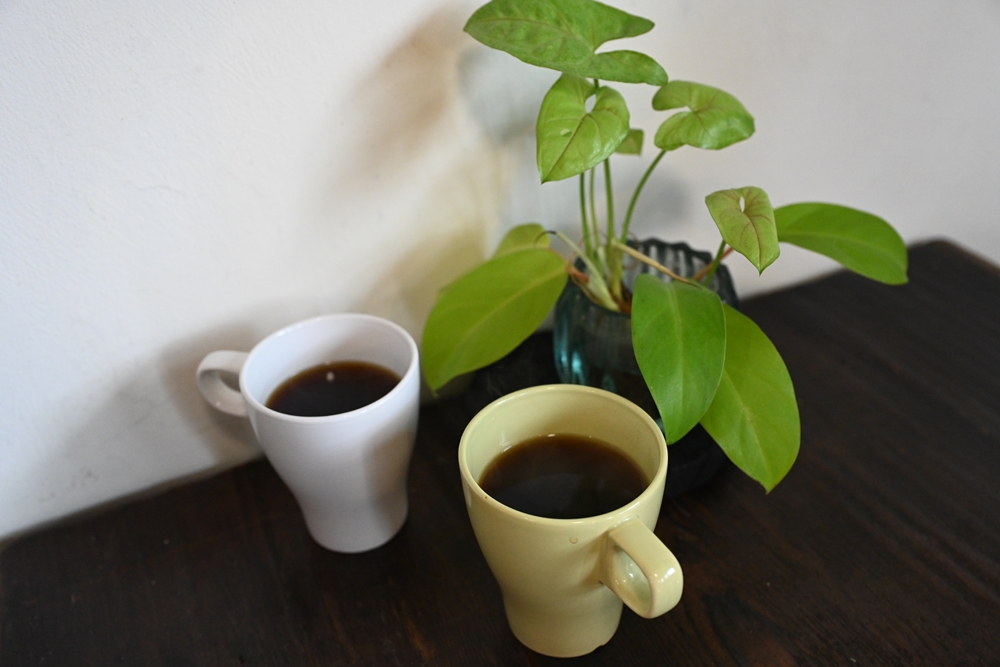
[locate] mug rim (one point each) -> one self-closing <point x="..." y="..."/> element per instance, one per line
<point x="658" y="478"/>
<point x="412" y="368"/>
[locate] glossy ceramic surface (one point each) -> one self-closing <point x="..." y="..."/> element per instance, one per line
<point x="564" y="581"/>
<point x="348" y="471"/>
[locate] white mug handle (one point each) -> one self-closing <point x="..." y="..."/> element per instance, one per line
<point x="640" y="570"/>
<point x="219" y="394"/>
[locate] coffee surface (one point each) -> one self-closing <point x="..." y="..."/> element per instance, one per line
<point x="561" y="476"/>
<point x="331" y="389"/>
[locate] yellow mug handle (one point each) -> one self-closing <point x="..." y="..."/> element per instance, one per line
<point x="640" y="570"/>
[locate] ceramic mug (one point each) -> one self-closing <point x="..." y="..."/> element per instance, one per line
<point x="347" y="471"/>
<point x="563" y="581"/>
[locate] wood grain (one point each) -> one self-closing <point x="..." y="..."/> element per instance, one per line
<point x="882" y="546"/>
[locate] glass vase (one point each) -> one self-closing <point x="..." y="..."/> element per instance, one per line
<point x="593" y="347"/>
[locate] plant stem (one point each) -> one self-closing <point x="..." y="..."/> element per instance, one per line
<point x="611" y="201"/>
<point x="635" y="195"/>
<point x="596" y="287"/>
<point x="614" y="259"/>
<point x="593" y="212"/>
<point x="598" y="256"/>
<point x="706" y="274"/>
<point x="653" y="263"/>
<point x="583" y="215"/>
<point x="596" y="251"/>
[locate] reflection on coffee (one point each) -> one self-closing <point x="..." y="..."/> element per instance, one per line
<point x="561" y="476"/>
<point x="330" y="389"/>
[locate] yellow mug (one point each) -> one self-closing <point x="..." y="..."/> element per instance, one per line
<point x="563" y="581"/>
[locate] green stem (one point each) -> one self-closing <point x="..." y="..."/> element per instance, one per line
<point x="614" y="259"/>
<point x="600" y="256"/>
<point x="705" y="275"/>
<point x="593" y="211"/>
<point x="611" y="201"/>
<point x="583" y="215"/>
<point x="596" y="251"/>
<point x="635" y="196"/>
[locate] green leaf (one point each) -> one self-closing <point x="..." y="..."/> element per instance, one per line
<point x="623" y="66"/>
<point x="746" y="220"/>
<point x="521" y="237"/>
<point x="754" y="416"/>
<point x="489" y="311"/>
<point x="632" y="144"/>
<point x="715" y="118"/>
<point x="564" y="35"/>
<point x="679" y="337"/>
<point x="862" y="242"/>
<point x="570" y="139"/>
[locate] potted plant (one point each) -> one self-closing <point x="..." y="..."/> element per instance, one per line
<point x="703" y="361"/>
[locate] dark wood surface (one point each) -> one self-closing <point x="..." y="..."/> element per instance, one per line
<point x="882" y="546"/>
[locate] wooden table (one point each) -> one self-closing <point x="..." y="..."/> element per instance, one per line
<point x="882" y="546"/>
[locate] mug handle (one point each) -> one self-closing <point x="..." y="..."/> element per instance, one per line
<point x="217" y="393"/>
<point x="640" y="570"/>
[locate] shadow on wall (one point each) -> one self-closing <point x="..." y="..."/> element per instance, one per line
<point x="408" y="107"/>
<point x="501" y="93"/>
<point x="418" y="103"/>
<point x="438" y="94"/>
<point x="409" y="288"/>
<point x="402" y="108"/>
<point x="412" y="116"/>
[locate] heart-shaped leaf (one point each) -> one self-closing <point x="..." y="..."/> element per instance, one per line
<point x="679" y="338"/>
<point x="564" y="35"/>
<point x="746" y="221"/>
<point x="623" y="66"/>
<point x="489" y="311"/>
<point x="632" y="144"/>
<point x="862" y="242"/>
<point x="715" y="118"/>
<point x="521" y="237"/>
<point x="754" y="416"/>
<point x="571" y="139"/>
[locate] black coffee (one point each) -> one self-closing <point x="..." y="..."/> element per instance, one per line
<point x="563" y="476"/>
<point x="330" y="389"/>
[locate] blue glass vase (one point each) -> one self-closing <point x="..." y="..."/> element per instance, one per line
<point x="593" y="347"/>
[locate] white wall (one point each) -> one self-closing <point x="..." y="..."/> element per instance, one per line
<point x="179" y="177"/>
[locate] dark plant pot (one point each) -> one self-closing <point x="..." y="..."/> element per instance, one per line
<point x="593" y="347"/>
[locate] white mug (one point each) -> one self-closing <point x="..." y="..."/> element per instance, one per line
<point x="347" y="471"/>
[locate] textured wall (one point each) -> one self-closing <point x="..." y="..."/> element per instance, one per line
<point x="179" y="177"/>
